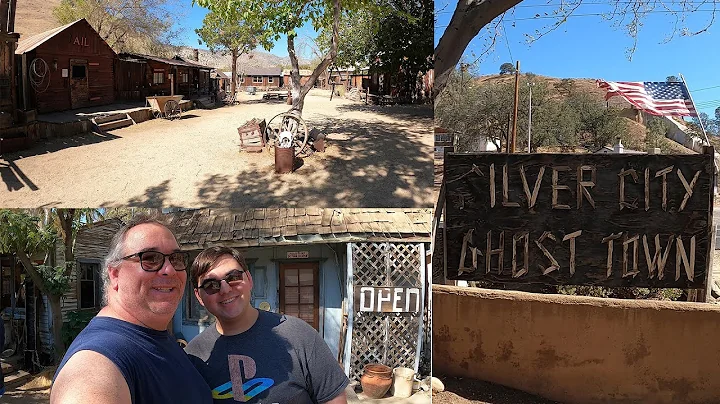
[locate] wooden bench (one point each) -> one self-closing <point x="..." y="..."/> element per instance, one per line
<point x="275" y="95"/>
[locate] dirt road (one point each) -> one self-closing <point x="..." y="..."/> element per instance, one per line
<point x="376" y="157"/>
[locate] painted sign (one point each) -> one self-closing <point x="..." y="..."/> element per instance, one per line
<point x="387" y="299"/>
<point x="81" y="41"/>
<point x="582" y="219"/>
<point x="298" y="254"/>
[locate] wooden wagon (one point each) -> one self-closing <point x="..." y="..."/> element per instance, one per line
<point x="165" y="106"/>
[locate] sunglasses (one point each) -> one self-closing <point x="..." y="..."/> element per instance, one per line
<point x="212" y="286"/>
<point x="153" y="261"/>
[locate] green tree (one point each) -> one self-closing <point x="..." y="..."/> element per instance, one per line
<point x="285" y="17"/>
<point x="229" y="34"/>
<point x="395" y="38"/>
<point x="126" y="25"/>
<point x="28" y="233"/>
<point x="672" y="79"/>
<point x="471" y="16"/>
<point x="507" y="68"/>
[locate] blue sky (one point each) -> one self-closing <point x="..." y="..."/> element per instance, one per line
<point x="589" y="47"/>
<point x="190" y="17"/>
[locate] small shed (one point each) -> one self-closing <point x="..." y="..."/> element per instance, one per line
<point x="263" y="78"/>
<point x="65" y="68"/>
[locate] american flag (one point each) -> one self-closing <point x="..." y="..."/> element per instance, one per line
<point x="656" y="98"/>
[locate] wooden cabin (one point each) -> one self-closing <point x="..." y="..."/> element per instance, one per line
<point x="262" y="78"/>
<point x="139" y="76"/>
<point x="65" y="68"/>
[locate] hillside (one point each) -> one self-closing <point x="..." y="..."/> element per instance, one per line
<point x="636" y="130"/>
<point x="35" y="16"/>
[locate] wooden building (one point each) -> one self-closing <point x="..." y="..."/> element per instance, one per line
<point x="65" y="68"/>
<point x="304" y="77"/>
<point x="139" y="76"/>
<point x="264" y="79"/>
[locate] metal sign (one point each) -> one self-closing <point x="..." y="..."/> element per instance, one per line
<point x="387" y="299"/>
<point x="581" y="219"/>
<point x="298" y="254"/>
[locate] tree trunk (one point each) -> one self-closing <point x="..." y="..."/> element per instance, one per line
<point x="298" y="90"/>
<point x="57" y="323"/>
<point x="469" y="18"/>
<point x="233" y="82"/>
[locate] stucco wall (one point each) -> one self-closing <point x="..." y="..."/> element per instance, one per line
<point x="579" y="349"/>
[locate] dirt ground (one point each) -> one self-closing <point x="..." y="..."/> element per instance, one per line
<point x="470" y="391"/>
<point x="26" y="396"/>
<point x="376" y="156"/>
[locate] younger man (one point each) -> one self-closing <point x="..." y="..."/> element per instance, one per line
<point x="254" y="356"/>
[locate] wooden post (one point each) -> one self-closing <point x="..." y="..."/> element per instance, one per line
<point x="705" y="294"/>
<point x="24" y="81"/>
<point x="515" y="107"/>
<point x="172" y="84"/>
<point x="507" y="135"/>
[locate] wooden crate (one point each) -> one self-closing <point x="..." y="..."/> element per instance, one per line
<point x="252" y="135"/>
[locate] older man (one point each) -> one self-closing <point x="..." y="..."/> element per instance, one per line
<point x="125" y="354"/>
<point x="254" y="356"/>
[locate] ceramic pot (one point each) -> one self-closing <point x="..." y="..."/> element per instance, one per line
<point x="376" y="380"/>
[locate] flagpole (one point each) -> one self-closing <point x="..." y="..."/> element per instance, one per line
<point x="702" y="126"/>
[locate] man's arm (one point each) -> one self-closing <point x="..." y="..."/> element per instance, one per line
<point x="340" y="399"/>
<point x="89" y="377"/>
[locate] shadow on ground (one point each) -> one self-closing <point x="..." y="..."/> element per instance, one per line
<point x="394" y="111"/>
<point x="381" y="165"/>
<point x="460" y="390"/>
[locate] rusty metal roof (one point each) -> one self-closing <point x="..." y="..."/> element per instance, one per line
<point x="202" y="228"/>
<point x="32" y="42"/>
<point x="173" y="62"/>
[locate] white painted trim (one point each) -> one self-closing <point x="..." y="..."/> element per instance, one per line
<point x="418" y="348"/>
<point x="350" y="309"/>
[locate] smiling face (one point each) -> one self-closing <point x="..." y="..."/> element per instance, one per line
<point x="231" y="304"/>
<point x="138" y="296"/>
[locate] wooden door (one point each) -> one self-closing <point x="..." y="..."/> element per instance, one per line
<point x="300" y="291"/>
<point x="79" y="92"/>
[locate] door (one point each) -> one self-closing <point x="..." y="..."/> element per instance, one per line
<point x="300" y="291"/>
<point x="79" y="92"/>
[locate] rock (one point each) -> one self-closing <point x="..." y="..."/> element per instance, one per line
<point x="437" y="385"/>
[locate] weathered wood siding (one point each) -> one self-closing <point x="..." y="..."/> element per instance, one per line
<point x="606" y="220"/>
<point x="44" y="325"/>
<point x="130" y="80"/>
<point x="8" y="42"/>
<point x="78" y="42"/>
<point x="265" y="84"/>
<point x="158" y="67"/>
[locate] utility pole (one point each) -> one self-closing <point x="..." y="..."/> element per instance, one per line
<point x="515" y="108"/>
<point x="530" y="114"/>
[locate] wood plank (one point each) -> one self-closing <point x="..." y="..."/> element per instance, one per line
<point x="589" y="220"/>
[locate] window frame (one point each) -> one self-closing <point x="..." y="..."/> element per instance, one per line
<point x="161" y="75"/>
<point x="97" y="283"/>
<point x="257" y="79"/>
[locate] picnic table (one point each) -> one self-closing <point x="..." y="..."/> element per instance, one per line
<point x="275" y="95"/>
<point x="165" y="106"/>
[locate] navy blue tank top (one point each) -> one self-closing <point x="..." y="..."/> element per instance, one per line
<point x="154" y="366"/>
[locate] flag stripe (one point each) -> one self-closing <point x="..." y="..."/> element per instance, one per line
<point x="656" y="98"/>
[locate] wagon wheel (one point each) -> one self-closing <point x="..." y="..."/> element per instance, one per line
<point x="172" y="110"/>
<point x="157" y="113"/>
<point x="294" y="124"/>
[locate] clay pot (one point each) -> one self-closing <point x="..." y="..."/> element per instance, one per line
<point x="376" y="380"/>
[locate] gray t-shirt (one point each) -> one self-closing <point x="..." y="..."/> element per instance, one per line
<point x="280" y="359"/>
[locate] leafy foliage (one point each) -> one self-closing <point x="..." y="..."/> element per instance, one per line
<point x="622" y="293"/>
<point x="507" y="68"/>
<point x="474" y="110"/>
<point x="76" y="321"/>
<point x="56" y="281"/>
<point x="22" y="231"/>
<point x="126" y="25"/>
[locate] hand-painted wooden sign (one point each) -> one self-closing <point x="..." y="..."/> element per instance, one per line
<point x="579" y="219"/>
<point x="387" y="299"/>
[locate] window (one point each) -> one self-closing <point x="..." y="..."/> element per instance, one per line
<point x="158" y="77"/>
<point x="89" y="290"/>
<point x="270" y="79"/>
<point x="184" y="77"/>
<point x="78" y="72"/>
<point x="257" y="79"/>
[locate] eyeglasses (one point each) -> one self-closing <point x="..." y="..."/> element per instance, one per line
<point x="212" y="286"/>
<point x="153" y="261"/>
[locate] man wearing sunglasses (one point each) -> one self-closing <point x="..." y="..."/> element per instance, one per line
<point x="254" y="356"/>
<point x="125" y="354"/>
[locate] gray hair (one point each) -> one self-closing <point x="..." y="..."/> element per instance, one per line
<point x="117" y="245"/>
